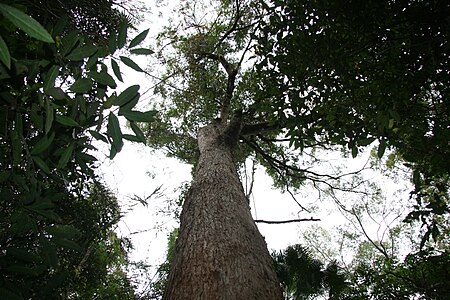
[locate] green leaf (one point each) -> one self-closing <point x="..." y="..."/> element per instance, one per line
<point x="68" y="244"/>
<point x="391" y="123"/>
<point x="130" y="105"/>
<point x="5" y="57"/>
<point x="114" y="132"/>
<point x="23" y="254"/>
<point x="49" y="252"/>
<point x="116" y="69"/>
<point x="65" y="156"/>
<point x="41" y="164"/>
<point x="127" y="95"/>
<point x="26" y="23"/>
<point x="86" y="157"/>
<point x="57" y="93"/>
<point x="381" y="148"/>
<point x="354" y="151"/>
<point x="112" y="43"/>
<point x="139" y="116"/>
<point x="16" y="145"/>
<point x="60" y="25"/>
<point x="63" y="231"/>
<point x="64" y="120"/>
<point x="69" y="42"/>
<point x="36" y="116"/>
<point x="22" y="270"/>
<point x="92" y="61"/>
<point x="42" y="204"/>
<point x="142" y="51"/>
<point x="103" y="78"/>
<point x="82" y="52"/>
<point x="130" y="63"/>
<point x="122" y="36"/>
<point x="10" y="295"/>
<point x="98" y="136"/>
<point x="132" y="138"/>
<point x="81" y="85"/>
<point x="43" y="144"/>
<point x="138" y="132"/>
<point x="49" y="116"/>
<point x="4" y="175"/>
<point x="18" y="124"/>
<point x="49" y="214"/>
<point x="416" y="178"/>
<point x="365" y="142"/>
<point x="138" y="39"/>
<point x="50" y="78"/>
<point x="110" y="101"/>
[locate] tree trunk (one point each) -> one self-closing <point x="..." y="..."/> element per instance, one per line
<point x="219" y="253"/>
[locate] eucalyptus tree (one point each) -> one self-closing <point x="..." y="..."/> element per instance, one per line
<point x="270" y="80"/>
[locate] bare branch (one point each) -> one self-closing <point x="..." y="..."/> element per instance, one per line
<point x="285" y="166"/>
<point x="380" y="247"/>
<point x="286" y="221"/>
<point x="249" y="190"/>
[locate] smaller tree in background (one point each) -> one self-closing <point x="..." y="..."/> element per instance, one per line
<point x="302" y="276"/>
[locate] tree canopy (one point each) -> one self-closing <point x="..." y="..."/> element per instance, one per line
<point x="349" y="73"/>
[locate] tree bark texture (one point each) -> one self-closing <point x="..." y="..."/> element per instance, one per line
<point x="219" y="253"/>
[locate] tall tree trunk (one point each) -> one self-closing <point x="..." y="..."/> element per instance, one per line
<point x="219" y="253"/>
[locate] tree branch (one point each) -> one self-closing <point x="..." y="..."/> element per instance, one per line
<point x="258" y="128"/>
<point x="380" y="248"/>
<point x="232" y="131"/>
<point x="286" y="221"/>
<point x="232" y="28"/>
<point x="232" y="72"/>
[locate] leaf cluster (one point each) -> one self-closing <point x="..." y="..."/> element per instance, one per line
<point x="302" y="276"/>
<point x="95" y="19"/>
<point x="421" y="274"/>
<point x="57" y="220"/>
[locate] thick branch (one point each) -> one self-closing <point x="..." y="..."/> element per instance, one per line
<point x="232" y="72"/>
<point x="286" y="221"/>
<point x="258" y="128"/>
<point x="229" y="68"/>
<point x="232" y="131"/>
<point x="233" y="27"/>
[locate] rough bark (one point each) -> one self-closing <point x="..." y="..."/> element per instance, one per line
<point x="219" y="253"/>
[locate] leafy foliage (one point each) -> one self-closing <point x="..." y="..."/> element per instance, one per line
<point x="422" y="274"/>
<point x="57" y="220"/>
<point x="303" y="276"/>
<point x="350" y="73"/>
<point x="96" y="19"/>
